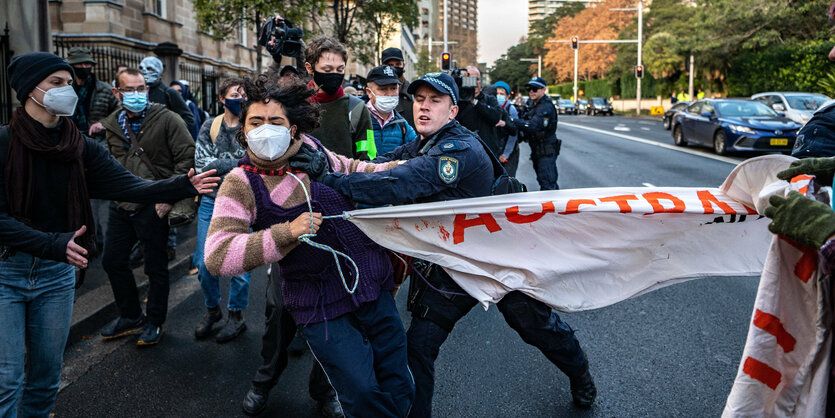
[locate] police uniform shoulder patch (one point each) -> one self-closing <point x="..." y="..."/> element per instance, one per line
<point x="448" y="169"/>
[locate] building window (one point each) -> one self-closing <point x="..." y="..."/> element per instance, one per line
<point x="160" y="8"/>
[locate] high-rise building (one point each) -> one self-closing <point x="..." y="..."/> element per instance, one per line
<point x="540" y="9"/>
<point x="462" y="30"/>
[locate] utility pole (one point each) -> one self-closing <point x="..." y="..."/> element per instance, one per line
<point x="640" y="41"/>
<point x="576" y="97"/>
<point x="691" y="75"/>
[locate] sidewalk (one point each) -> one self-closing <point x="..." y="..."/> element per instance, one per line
<point x="94" y="305"/>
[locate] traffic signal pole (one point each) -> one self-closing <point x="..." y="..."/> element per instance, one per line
<point x="640" y="39"/>
<point x="576" y="98"/>
<point x="446" y="23"/>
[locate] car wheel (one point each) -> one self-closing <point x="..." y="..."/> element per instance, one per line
<point x="678" y="136"/>
<point x="720" y="143"/>
<point x="667" y="124"/>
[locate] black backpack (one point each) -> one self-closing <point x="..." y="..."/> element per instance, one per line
<point x="504" y="183"/>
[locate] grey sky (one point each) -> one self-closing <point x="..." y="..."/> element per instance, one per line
<point x="500" y="25"/>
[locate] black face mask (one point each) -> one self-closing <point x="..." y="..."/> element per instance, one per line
<point x="83" y="73"/>
<point x="399" y="71"/>
<point x="328" y="82"/>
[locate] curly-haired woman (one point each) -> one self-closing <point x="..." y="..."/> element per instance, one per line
<point x="358" y="338"/>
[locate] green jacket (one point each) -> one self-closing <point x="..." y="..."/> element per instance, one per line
<point x="336" y="132"/>
<point x="164" y="138"/>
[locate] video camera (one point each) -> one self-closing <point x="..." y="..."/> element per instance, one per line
<point x="280" y="38"/>
<point x="466" y="84"/>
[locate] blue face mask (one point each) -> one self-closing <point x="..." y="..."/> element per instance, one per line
<point x="501" y="98"/>
<point x="135" y="102"/>
<point x="234" y="106"/>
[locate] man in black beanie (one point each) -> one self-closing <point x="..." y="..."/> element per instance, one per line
<point x="48" y="173"/>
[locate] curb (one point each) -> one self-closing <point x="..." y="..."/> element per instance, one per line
<point x="88" y="322"/>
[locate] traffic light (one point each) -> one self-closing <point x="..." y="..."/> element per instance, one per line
<point x="445" y="60"/>
<point x="575" y="41"/>
<point x="639" y="71"/>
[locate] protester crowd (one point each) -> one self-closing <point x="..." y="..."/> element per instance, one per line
<point x="293" y="149"/>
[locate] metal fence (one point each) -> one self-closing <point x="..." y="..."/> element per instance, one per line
<point x="203" y="78"/>
<point x="5" y="89"/>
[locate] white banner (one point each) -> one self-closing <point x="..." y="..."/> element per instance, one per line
<point x="581" y="249"/>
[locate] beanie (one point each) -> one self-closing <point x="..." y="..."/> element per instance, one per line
<point x="27" y="71"/>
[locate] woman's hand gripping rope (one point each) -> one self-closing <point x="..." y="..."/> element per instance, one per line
<point x="311" y="222"/>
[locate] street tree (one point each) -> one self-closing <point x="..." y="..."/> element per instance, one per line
<point x="385" y="17"/>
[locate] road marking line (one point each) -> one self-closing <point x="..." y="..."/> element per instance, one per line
<point x="622" y="128"/>
<point x="648" y="184"/>
<point x="643" y="128"/>
<point x="658" y="144"/>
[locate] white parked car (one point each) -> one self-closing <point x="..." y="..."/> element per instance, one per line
<point x="797" y="106"/>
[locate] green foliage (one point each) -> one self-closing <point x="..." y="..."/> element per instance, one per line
<point x="425" y="63"/>
<point x="541" y="30"/>
<point x="790" y="67"/>
<point x="221" y="18"/>
<point x="385" y="17"/>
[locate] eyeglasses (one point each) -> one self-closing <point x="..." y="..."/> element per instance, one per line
<point x="142" y="89"/>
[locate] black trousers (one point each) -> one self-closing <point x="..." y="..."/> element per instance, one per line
<point x="124" y="229"/>
<point x="279" y="331"/>
<point x="536" y="323"/>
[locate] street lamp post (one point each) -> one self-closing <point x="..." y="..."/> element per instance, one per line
<point x="538" y="61"/>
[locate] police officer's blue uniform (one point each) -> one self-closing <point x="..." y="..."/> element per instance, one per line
<point x="452" y="164"/>
<point x="537" y="124"/>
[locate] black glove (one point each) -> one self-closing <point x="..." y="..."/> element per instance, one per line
<point x="821" y="168"/>
<point x="801" y="219"/>
<point x="311" y="161"/>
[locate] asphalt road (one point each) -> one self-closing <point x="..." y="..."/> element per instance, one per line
<point x="672" y="352"/>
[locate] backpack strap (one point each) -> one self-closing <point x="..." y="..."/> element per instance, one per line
<point x="355" y="105"/>
<point x="215" y="130"/>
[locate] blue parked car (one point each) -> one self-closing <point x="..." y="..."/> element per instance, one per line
<point x="734" y="125"/>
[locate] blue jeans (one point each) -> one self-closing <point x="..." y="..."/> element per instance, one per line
<point x="36" y="298"/>
<point x="363" y="354"/>
<point x="238" y="285"/>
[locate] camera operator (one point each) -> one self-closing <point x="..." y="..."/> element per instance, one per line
<point x="480" y="112"/>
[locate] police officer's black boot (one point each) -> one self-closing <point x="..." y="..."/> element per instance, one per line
<point x="255" y="400"/>
<point x="583" y="390"/>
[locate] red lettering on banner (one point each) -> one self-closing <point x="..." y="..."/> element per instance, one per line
<point x="513" y="215"/>
<point x="762" y="372"/>
<point x="808" y="263"/>
<point x="708" y="200"/>
<point x="461" y="223"/>
<point x="622" y="201"/>
<point x="750" y="211"/>
<point x="574" y="204"/>
<point x="654" y="197"/>
<point x="802" y="177"/>
<point x="772" y="325"/>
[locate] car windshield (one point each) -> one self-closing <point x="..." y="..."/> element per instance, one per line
<point x="806" y="101"/>
<point x="583" y="101"/>
<point x="741" y="108"/>
<point x="566" y="102"/>
<point x="598" y="101"/>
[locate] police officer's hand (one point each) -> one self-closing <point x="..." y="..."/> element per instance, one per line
<point x="305" y="224"/>
<point x="311" y="161"/>
<point x="502" y="159"/>
<point x="801" y="219"/>
<point x="822" y="168"/>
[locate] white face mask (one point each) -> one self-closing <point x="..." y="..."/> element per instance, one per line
<point x="386" y="104"/>
<point x="268" y="142"/>
<point x="58" y="101"/>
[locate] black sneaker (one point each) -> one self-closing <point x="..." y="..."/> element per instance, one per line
<point x="151" y="335"/>
<point x="121" y="327"/>
<point x="255" y="400"/>
<point x="583" y="390"/>
<point x="233" y="327"/>
<point x="331" y="408"/>
<point x="204" y="328"/>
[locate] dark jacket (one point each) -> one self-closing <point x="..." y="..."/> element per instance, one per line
<point x="482" y="118"/>
<point x="451" y="164"/>
<point x="335" y="129"/>
<point x="537" y="122"/>
<point x="162" y="94"/>
<point x="100" y="103"/>
<point x="163" y="137"/>
<point x="106" y="179"/>
<point x="404" y="105"/>
<point x="817" y="137"/>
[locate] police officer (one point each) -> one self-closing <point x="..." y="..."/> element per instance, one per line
<point x="447" y="162"/>
<point x="537" y="124"/>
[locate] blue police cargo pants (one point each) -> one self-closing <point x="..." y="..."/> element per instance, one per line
<point x="546" y="172"/>
<point x="36" y="298"/>
<point x="238" y="285"/>
<point x="364" y="357"/>
<point x="536" y="323"/>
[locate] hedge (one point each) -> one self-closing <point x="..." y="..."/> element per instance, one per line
<point x="792" y="67"/>
<point x="603" y="87"/>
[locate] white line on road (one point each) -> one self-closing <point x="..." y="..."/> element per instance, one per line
<point x="657" y="144"/>
<point x="622" y="128"/>
<point x="648" y="184"/>
<point x="644" y="128"/>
